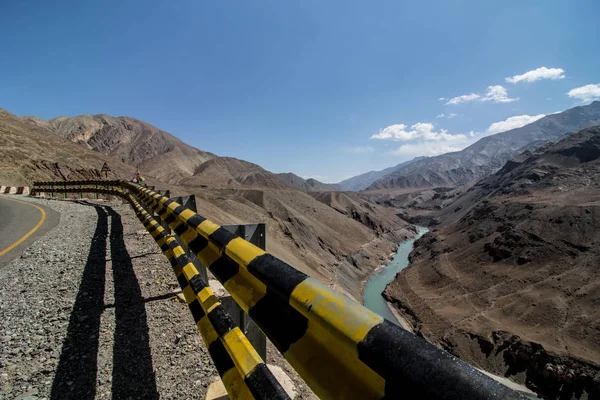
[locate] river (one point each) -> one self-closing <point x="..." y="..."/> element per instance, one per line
<point x="372" y="297"/>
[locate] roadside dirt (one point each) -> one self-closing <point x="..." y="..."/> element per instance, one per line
<point x="90" y="311"/>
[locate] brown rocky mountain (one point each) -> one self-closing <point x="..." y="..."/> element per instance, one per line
<point x="158" y="153"/>
<point x="29" y="153"/>
<point x="229" y="172"/>
<point x="489" y="154"/>
<point x="339" y="243"/>
<point x="308" y="185"/>
<point x="130" y="141"/>
<point x="509" y="280"/>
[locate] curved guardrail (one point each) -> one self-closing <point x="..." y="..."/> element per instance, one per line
<point x="340" y="348"/>
<point x="242" y="371"/>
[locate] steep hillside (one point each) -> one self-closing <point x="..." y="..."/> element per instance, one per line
<point x="363" y="181"/>
<point x="29" y="153"/>
<point x="228" y="172"/>
<point x="377" y="218"/>
<point x="130" y="141"/>
<point x="489" y="154"/>
<point x="510" y="279"/>
<point x="340" y="246"/>
<point x="308" y="185"/>
<point x="333" y="246"/>
<point x="158" y="153"/>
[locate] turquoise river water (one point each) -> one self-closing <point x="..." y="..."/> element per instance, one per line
<point x="376" y="285"/>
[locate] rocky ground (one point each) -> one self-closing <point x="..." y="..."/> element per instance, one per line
<point x="509" y="279"/>
<point x="89" y="311"/>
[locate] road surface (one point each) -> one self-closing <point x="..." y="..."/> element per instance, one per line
<point x="21" y="223"/>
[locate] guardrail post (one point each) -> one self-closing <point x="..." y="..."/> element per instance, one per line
<point x="255" y="234"/>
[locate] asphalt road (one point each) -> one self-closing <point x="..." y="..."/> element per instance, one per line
<point x="21" y="223"/>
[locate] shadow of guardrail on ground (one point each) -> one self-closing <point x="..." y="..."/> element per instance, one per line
<point x="132" y="375"/>
<point x="77" y="367"/>
<point x="132" y="359"/>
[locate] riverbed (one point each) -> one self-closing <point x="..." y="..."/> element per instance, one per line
<point x="372" y="297"/>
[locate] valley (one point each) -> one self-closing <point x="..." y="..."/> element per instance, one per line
<point x="506" y="278"/>
<point x="338" y="238"/>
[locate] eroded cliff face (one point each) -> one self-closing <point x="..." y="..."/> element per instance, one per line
<point x="509" y="281"/>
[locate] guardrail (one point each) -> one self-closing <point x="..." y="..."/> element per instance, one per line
<point x="24" y="190"/>
<point x="340" y="348"/>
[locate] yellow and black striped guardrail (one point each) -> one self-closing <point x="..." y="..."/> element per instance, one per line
<point x="242" y="371"/>
<point x="340" y="348"/>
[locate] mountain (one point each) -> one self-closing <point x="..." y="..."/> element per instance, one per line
<point x="347" y="203"/>
<point x="130" y="141"/>
<point x="229" y="172"/>
<point x="509" y="280"/>
<point x="158" y="153"/>
<point x="341" y="243"/>
<point x="30" y="152"/>
<point x="363" y="181"/>
<point x="308" y="185"/>
<point x="489" y="154"/>
<point x="339" y="246"/>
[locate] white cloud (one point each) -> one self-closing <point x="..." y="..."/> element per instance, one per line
<point x="424" y="149"/>
<point x="497" y="94"/>
<point x="419" y="131"/>
<point x="586" y="93"/>
<point x="359" y="150"/>
<point x="511" y="123"/>
<point x="537" y="74"/>
<point x="494" y="93"/>
<point x="441" y="99"/>
<point x="464" y="98"/>
<point x="449" y="115"/>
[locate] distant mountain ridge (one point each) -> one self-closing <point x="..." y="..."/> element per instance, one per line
<point x="363" y="181"/>
<point x="489" y="154"/>
<point x="308" y="185"/>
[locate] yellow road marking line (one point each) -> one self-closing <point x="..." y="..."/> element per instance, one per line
<point x="35" y="228"/>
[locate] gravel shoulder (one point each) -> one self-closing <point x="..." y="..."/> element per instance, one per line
<point x="90" y="312"/>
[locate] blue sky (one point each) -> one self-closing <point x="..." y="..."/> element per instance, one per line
<point x="328" y="89"/>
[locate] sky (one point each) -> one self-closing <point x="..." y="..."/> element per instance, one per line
<point x="324" y="89"/>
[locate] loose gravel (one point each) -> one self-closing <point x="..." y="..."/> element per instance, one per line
<point x="90" y="311"/>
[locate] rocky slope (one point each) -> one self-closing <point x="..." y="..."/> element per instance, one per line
<point x="158" y="153"/>
<point x="308" y="185"/>
<point x="228" y="172"/>
<point x="335" y="245"/>
<point x="489" y="154"/>
<point x="339" y="242"/>
<point x="509" y="281"/>
<point x="29" y="153"/>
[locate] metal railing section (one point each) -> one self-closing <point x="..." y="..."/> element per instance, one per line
<point x="340" y="348"/>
